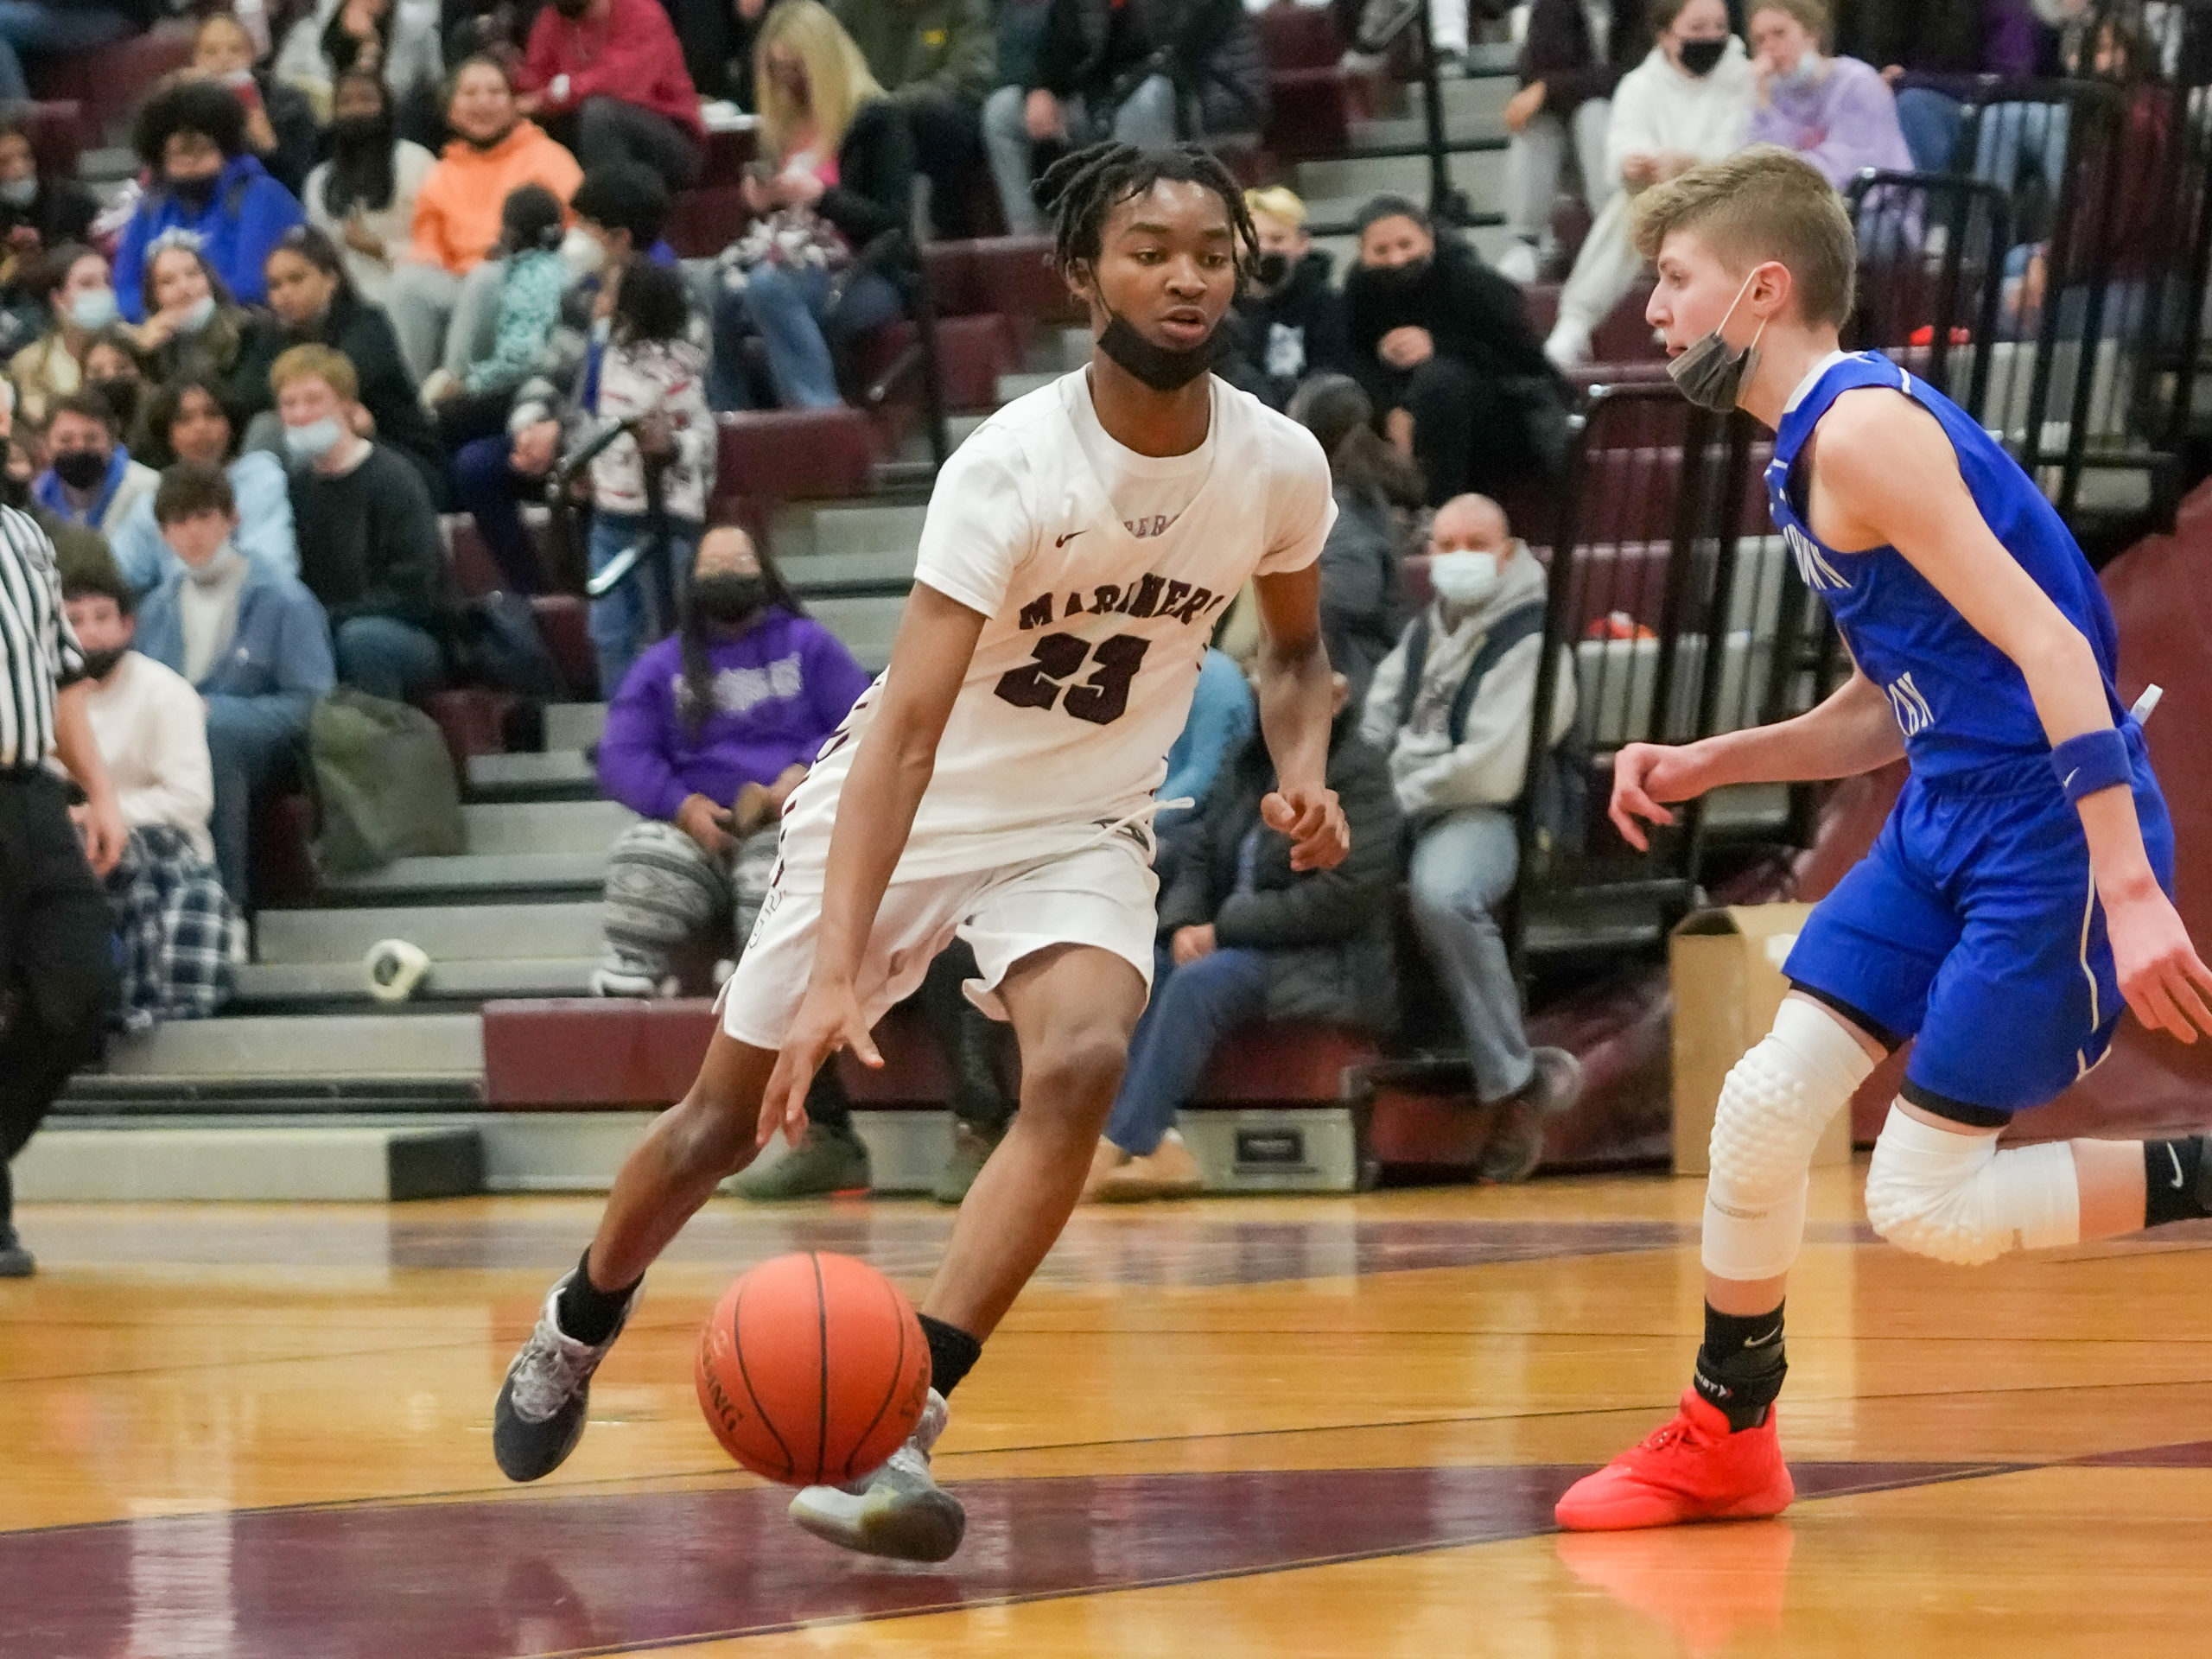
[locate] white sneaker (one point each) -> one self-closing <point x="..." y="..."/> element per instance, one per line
<point x="1521" y="261"/>
<point x="899" y="1511"/>
<point x="1568" y="347"/>
<point x="616" y="981"/>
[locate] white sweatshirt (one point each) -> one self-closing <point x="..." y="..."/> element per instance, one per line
<point x="1658" y="108"/>
<point x="152" y="732"/>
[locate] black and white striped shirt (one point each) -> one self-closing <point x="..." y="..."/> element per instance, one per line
<point x="38" y="654"/>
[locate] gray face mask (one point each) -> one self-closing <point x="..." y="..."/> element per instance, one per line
<point x="1712" y="373"/>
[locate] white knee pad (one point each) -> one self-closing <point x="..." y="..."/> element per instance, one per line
<point x="1774" y="1107"/>
<point x="1957" y="1198"/>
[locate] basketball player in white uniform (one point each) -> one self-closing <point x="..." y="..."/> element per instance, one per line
<point x="996" y="783"/>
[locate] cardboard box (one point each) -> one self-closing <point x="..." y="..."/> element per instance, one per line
<point x="1726" y="967"/>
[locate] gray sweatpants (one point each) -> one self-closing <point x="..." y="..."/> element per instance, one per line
<point x="663" y="888"/>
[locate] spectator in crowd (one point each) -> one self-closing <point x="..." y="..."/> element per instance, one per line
<point x="1688" y="101"/>
<point x="937" y="58"/>
<point x="1289" y="321"/>
<point x="533" y="277"/>
<point x="191" y="136"/>
<point x="363" y="197"/>
<point x="369" y="546"/>
<point x="706" y="738"/>
<point x="1377" y="489"/>
<point x="1940" y="37"/>
<point x="112" y="370"/>
<point x="618" y="212"/>
<point x="1223" y="714"/>
<point x="397" y="41"/>
<point x="1143" y="74"/>
<point x="649" y="489"/>
<point x="179" y="938"/>
<point x="1572" y="57"/>
<point x="90" y="479"/>
<point x="1451" y="705"/>
<point x="312" y="302"/>
<point x="281" y="128"/>
<point x="1837" y="112"/>
<point x="842" y="160"/>
<point x="607" y="78"/>
<point x="1243" y="938"/>
<point x="37" y="211"/>
<point x="36" y="27"/>
<point x="72" y="280"/>
<point x="441" y="297"/>
<point x="247" y="636"/>
<point x="192" y="328"/>
<point x="190" y="420"/>
<point x="1444" y="346"/>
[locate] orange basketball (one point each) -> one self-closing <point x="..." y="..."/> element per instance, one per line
<point x="812" y="1369"/>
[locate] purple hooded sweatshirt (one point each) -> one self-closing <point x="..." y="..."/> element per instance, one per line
<point x="1845" y="121"/>
<point x="780" y="688"/>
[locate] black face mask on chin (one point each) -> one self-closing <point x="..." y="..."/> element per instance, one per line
<point x="1157" y="366"/>
<point x="80" y="469"/>
<point x="194" y="194"/>
<point x="1396" y="281"/>
<point x="1271" y="271"/>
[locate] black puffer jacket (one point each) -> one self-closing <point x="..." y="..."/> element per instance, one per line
<point x="1327" y="932"/>
<point x="1309" y="314"/>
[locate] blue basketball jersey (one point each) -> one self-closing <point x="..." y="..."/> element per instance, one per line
<point x="1961" y="702"/>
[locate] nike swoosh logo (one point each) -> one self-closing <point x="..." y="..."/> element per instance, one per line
<point x="1066" y="539"/>
<point x="1775" y="1335"/>
<point x="2066" y="782"/>
<point x="2176" y="1156"/>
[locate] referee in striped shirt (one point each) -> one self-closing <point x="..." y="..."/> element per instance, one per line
<point x="56" y="959"/>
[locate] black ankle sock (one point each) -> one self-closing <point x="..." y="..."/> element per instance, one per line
<point x="953" y="1354"/>
<point x="586" y="1313"/>
<point x="2176" y="1183"/>
<point x="1740" y="1366"/>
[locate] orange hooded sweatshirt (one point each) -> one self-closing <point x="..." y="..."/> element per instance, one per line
<point x="457" y="210"/>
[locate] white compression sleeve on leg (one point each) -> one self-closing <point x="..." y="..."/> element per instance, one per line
<point x="1955" y="1197"/>
<point x="1774" y="1107"/>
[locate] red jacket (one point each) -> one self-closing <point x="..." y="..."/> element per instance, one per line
<point x="630" y="54"/>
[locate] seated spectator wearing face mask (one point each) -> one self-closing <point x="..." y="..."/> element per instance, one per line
<point x="369" y="544"/>
<point x="72" y="280"/>
<point x="179" y="938"/>
<point x="1689" y="101"/>
<point x="706" y="738"/>
<point x="1289" y="320"/>
<point x="1838" y="113"/>
<point x="191" y="137"/>
<point x="363" y="197"/>
<point x="37" y="213"/>
<point x="1443" y="345"/>
<point x="191" y="421"/>
<point x="193" y="329"/>
<point x="112" y="369"/>
<point x="1244" y="937"/>
<point x="248" y="639"/>
<point x="1450" y="705"/>
<point x="281" y="128"/>
<point x="89" y="480"/>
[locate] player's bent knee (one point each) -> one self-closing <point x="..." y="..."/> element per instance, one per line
<point x="1774" y="1107"/>
<point x="710" y="1139"/>
<point x="1078" y="1073"/>
<point x="1954" y="1197"/>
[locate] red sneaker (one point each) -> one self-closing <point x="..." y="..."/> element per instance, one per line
<point x="1691" y="1470"/>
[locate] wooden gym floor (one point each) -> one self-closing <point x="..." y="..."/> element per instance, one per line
<point x="1306" y="1428"/>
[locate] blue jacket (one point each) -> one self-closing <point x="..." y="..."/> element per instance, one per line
<point x="250" y="211"/>
<point x="278" y="663"/>
<point x="264" y="533"/>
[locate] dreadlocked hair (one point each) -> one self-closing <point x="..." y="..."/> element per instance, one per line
<point x="1082" y="187"/>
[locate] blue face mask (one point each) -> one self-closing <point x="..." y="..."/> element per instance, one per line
<point x="1808" y="71"/>
<point x="93" y="309"/>
<point x="314" y="441"/>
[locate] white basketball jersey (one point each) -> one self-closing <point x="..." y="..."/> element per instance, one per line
<point x="1082" y="679"/>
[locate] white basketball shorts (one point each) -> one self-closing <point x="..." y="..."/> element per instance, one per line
<point x="1101" y="896"/>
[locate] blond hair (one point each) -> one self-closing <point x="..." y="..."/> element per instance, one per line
<point x="1277" y="202"/>
<point x="837" y="77"/>
<point x="315" y="362"/>
<point x="1761" y="203"/>
<point x="1812" y="15"/>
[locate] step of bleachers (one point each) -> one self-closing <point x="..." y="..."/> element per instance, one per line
<point x="399" y="1045"/>
<point x="507" y="827"/>
<point x="127" y="1160"/>
<point x="1329" y="186"/>
<point x="823" y="576"/>
<point x="464" y="876"/>
<point x="866" y="625"/>
<point x="321" y="984"/>
<point x="482" y="932"/>
<point x="561" y="775"/>
<point x="574" y="725"/>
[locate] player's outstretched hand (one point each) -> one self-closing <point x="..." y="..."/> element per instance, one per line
<point x="1644" y="774"/>
<point x="2160" y="973"/>
<point x="828" y="1019"/>
<point x="1319" y="838"/>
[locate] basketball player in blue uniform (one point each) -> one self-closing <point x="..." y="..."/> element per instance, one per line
<point x="2018" y="897"/>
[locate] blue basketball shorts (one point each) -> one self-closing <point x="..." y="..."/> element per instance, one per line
<point x="1972" y="926"/>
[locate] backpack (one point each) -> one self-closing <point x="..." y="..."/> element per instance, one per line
<point x="384" y="781"/>
<point x="1563" y="775"/>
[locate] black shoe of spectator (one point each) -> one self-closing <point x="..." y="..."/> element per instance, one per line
<point x="1516" y="1144"/>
